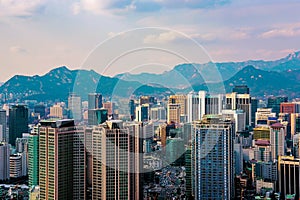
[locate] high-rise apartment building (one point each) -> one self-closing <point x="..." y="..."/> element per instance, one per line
<point x="117" y="161"/>
<point x="61" y="160"/>
<point x="18" y="122"/>
<point x="33" y="158"/>
<point x="15" y="166"/>
<point x="212" y="158"/>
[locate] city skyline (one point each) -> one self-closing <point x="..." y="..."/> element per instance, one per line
<point x="41" y="35"/>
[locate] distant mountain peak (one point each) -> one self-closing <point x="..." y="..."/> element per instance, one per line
<point x="249" y="68"/>
<point x="294" y="55"/>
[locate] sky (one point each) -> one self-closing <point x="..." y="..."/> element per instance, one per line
<point x="116" y="36"/>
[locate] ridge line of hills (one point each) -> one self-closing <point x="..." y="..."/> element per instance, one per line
<point x="264" y="78"/>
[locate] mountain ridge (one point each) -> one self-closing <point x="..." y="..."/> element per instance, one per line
<point x="192" y="73"/>
<point x="59" y="82"/>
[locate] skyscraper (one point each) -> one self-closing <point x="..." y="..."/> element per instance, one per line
<point x="158" y="113"/>
<point x="3" y="125"/>
<point x="173" y="113"/>
<point x="274" y="103"/>
<point x="4" y="161"/>
<point x="94" y="101"/>
<point x="236" y="101"/>
<point x="277" y="140"/>
<point x="33" y="158"/>
<point x="188" y="166"/>
<point x="212" y="158"/>
<point x="193" y="107"/>
<point x="15" y="165"/>
<point x="291" y="107"/>
<point x="117" y="161"/>
<point x="60" y="160"/>
<point x="175" y="151"/>
<point x="210" y="104"/>
<point x="18" y="122"/>
<point x="254" y="106"/>
<point x="179" y="99"/>
<point x="295" y="124"/>
<point x="75" y="107"/>
<point x="40" y="109"/>
<point x="262" y="116"/>
<point x="56" y="111"/>
<point x="97" y="116"/>
<point x="132" y="109"/>
<point x="142" y="113"/>
<point x="289" y="176"/>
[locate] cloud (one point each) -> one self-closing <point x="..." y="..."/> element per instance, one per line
<point x="289" y="30"/>
<point x="99" y="7"/>
<point x="121" y="6"/>
<point x="20" y="8"/>
<point x="223" y="35"/>
<point x="162" y="38"/>
<point x="192" y="4"/>
<point x="17" y="50"/>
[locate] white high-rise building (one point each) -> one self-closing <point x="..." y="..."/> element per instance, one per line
<point x="277" y="140"/>
<point x="158" y="113"/>
<point x="193" y="107"/>
<point x="117" y="161"/>
<point x="239" y="116"/>
<point x="15" y="165"/>
<point x="236" y="101"/>
<point x="262" y="116"/>
<point x="210" y="104"/>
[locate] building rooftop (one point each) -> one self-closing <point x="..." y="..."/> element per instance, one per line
<point x="262" y="142"/>
<point x="277" y="125"/>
